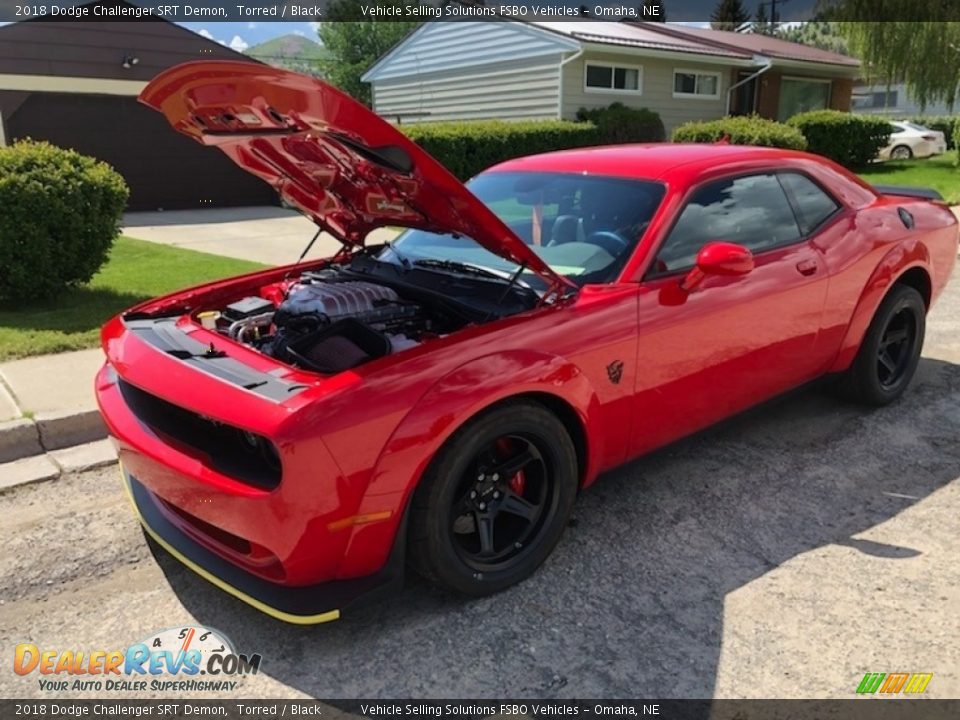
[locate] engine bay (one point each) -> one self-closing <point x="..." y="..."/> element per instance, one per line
<point x="328" y="320"/>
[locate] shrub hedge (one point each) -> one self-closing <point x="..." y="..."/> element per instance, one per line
<point x="466" y="148"/>
<point x="743" y="130"/>
<point x="851" y="140"/>
<point x="618" y="123"/>
<point x="59" y="214"/>
<point x="956" y="139"/>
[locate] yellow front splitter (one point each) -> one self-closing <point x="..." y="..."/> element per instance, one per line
<point x="316" y="619"/>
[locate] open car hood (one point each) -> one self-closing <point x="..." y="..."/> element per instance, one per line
<point x="326" y="154"/>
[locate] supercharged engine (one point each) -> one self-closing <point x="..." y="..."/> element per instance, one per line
<point x="326" y="324"/>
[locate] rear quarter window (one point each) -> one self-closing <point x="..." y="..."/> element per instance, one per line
<point x="812" y="202"/>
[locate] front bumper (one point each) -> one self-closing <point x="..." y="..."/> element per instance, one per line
<point x="303" y="605"/>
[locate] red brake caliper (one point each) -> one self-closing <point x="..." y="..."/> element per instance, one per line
<point x="517" y="482"/>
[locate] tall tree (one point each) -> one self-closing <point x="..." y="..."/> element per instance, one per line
<point x="820" y="34"/>
<point x="761" y="21"/>
<point x="356" y="42"/>
<point x="920" y="46"/>
<point x="729" y="15"/>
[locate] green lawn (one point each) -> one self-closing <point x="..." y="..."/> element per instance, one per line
<point x="137" y="270"/>
<point x="940" y="173"/>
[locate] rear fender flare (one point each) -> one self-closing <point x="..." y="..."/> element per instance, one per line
<point x="892" y="267"/>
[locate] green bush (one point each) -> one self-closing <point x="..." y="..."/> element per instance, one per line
<point x="466" y="148"/>
<point x="851" y="140"/>
<point x="59" y="214"/>
<point x="947" y="124"/>
<point x="956" y="139"/>
<point x="620" y="124"/>
<point x="743" y="130"/>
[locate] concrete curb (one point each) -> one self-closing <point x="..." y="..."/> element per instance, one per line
<point x="27" y="437"/>
<point x="50" y="466"/>
<point x="52" y="399"/>
<point x="66" y="429"/>
<point x="19" y="439"/>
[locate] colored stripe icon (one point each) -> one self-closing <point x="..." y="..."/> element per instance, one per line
<point x="894" y="683"/>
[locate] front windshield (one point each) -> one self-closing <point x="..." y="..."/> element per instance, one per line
<point x="582" y="226"/>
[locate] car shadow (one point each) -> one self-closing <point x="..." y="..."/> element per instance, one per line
<point x="632" y="602"/>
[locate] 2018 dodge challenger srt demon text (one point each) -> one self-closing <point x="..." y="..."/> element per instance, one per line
<point x="299" y="435"/>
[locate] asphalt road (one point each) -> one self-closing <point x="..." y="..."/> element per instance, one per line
<point x="783" y="554"/>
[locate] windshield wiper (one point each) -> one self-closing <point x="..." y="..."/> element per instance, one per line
<point x="460" y="267"/>
<point x="403" y="259"/>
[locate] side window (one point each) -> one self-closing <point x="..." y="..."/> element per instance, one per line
<point x="752" y="211"/>
<point x="812" y="203"/>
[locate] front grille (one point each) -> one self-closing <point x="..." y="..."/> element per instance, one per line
<point x="244" y="456"/>
<point x="227" y="539"/>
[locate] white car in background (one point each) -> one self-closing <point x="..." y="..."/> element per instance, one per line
<point x="908" y="140"/>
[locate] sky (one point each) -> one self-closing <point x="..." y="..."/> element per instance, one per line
<point x="240" y="36"/>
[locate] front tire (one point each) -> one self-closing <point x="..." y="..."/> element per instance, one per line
<point x="495" y="500"/>
<point x="890" y="352"/>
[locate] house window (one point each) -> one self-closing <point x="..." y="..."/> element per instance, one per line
<point x="799" y="95"/>
<point x="696" y="84"/>
<point x="884" y="99"/>
<point x="600" y="77"/>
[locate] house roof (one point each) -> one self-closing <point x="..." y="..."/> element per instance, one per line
<point x="757" y="44"/>
<point x="699" y="41"/>
<point x="94" y="49"/>
<point x="442" y="46"/>
<point x="640" y="35"/>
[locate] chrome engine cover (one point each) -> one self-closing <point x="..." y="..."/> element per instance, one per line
<point x="337" y="299"/>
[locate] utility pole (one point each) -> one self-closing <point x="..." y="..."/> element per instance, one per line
<point x="773" y="9"/>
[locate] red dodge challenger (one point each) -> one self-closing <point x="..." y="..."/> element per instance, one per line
<point x="299" y="435"/>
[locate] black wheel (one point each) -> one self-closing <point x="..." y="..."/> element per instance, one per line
<point x="901" y="152"/>
<point x="890" y="351"/>
<point x="494" y="501"/>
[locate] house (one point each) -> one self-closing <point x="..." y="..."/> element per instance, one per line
<point x="75" y="84"/>
<point x="894" y="100"/>
<point x="542" y="69"/>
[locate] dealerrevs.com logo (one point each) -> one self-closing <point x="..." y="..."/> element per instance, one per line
<point x="173" y="660"/>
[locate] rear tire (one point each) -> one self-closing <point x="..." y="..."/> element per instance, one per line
<point x="890" y="351"/>
<point x="901" y="152"/>
<point x="495" y="500"/>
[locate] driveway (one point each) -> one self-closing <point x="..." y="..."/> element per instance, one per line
<point x="271" y="235"/>
<point x="784" y="554"/>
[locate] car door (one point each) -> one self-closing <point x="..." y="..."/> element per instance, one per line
<point x="732" y="341"/>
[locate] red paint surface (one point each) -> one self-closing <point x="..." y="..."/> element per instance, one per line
<point x="358" y="442"/>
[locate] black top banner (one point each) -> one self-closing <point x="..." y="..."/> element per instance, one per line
<point x="784" y="11"/>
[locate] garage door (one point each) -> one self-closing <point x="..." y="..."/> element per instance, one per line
<point x="163" y="168"/>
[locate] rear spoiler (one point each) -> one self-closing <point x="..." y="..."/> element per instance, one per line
<point x="907" y="191"/>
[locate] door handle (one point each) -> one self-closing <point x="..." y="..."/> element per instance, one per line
<point x="807" y="267"/>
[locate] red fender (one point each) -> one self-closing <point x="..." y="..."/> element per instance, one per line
<point x="899" y="260"/>
<point x="443" y="409"/>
